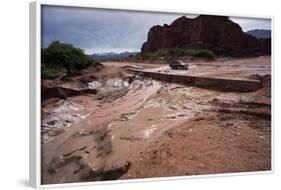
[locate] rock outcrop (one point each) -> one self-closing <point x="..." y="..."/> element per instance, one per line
<point x="265" y="46"/>
<point x="217" y="33"/>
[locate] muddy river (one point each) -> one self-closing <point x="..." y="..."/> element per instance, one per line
<point x="135" y="127"/>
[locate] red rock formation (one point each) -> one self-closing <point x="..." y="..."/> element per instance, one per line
<point x="217" y="33"/>
<point x="265" y="46"/>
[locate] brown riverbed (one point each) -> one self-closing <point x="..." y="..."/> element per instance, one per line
<point x="135" y="127"/>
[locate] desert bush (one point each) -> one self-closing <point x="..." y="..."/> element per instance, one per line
<point x="48" y="72"/>
<point x="63" y="55"/>
<point x="178" y="52"/>
<point x="224" y="51"/>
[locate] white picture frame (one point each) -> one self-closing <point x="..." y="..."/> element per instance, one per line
<point x="35" y="95"/>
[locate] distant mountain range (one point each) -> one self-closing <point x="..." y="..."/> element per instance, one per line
<point x="112" y="55"/>
<point x="260" y="33"/>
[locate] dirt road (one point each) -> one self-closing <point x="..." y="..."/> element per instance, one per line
<point x="137" y="128"/>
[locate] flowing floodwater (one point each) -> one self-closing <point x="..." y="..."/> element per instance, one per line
<point x="146" y="128"/>
<point x="64" y="115"/>
<point x="60" y="114"/>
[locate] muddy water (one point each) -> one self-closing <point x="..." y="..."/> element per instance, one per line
<point x="103" y="145"/>
<point x="170" y="106"/>
<point x="89" y="138"/>
<point x="115" y="130"/>
<point x="148" y="109"/>
<point x="59" y="114"/>
<point x="66" y="114"/>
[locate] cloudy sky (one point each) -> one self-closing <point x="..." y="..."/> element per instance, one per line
<point x="101" y="30"/>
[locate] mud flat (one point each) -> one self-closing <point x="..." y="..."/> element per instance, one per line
<point x="136" y="127"/>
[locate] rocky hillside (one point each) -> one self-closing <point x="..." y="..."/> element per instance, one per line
<point x="258" y="33"/>
<point x="217" y="33"/>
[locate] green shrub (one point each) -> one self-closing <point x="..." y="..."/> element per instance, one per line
<point x="204" y="53"/>
<point x="47" y="72"/>
<point x="66" y="56"/>
<point x="178" y="52"/>
<point x="225" y="51"/>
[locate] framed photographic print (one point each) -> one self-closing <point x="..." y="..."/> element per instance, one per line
<point x="134" y="95"/>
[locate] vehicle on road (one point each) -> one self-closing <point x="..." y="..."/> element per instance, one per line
<point x="178" y="65"/>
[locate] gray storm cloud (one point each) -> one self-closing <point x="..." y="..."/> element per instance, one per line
<point x="103" y="30"/>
